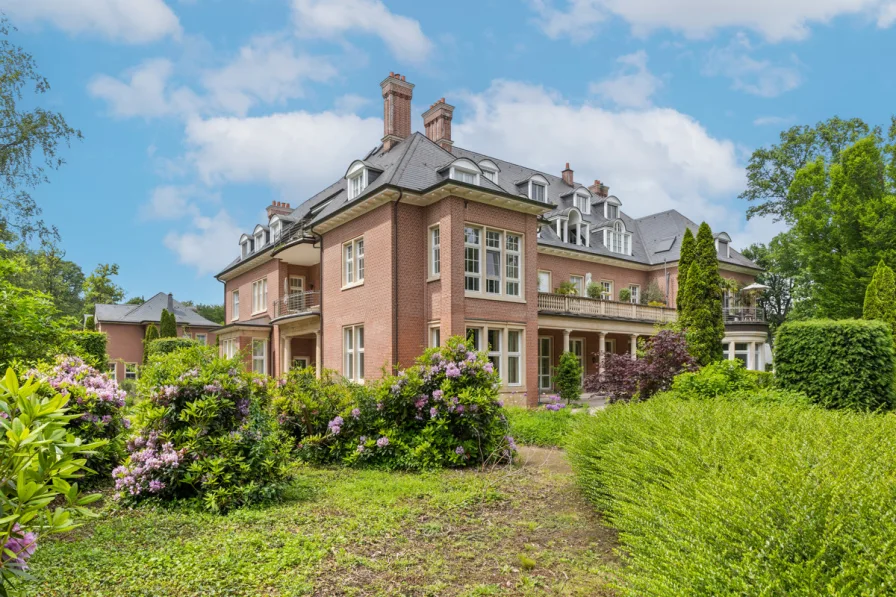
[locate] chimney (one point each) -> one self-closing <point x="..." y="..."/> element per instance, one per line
<point x="278" y="208"/>
<point x="567" y="175"/>
<point x="599" y="189"/>
<point x="397" y="94"/>
<point x="170" y="305"/>
<point x="437" y="123"/>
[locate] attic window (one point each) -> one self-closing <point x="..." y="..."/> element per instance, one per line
<point x="489" y="170"/>
<point x="259" y="240"/>
<point x="618" y="240"/>
<point x="538" y="192"/>
<point x="357" y="183"/>
<point x="462" y="175"/>
<point x="582" y="203"/>
<point x="612" y="211"/>
<point x="723" y="248"/>
<point x="247" y="248"/>
<point x="275" y="229"/>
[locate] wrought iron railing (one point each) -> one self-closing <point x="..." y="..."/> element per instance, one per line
<point x="297" y="303"/>
<point x="579" y="305"/>
<point x="744" y="314"/>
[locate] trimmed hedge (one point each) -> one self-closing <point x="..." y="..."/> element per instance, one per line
<point x="168" y="345"/>
<point x="91" y="347"/>
<point x="838" y="364"/>
<point x="725" y="498"/>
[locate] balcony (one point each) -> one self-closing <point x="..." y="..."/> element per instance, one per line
<point x="744" y="315"/>
<point x="299" y="303"/>
<point x="589" y="307"/>
<point x="296" y="245"/>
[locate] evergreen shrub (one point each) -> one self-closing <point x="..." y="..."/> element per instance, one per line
<point x="568" y="377"/>
<point x="838" y="364"/>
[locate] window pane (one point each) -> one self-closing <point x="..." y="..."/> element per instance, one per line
<point x="544" y="282"/>
<point x="513" y="370"/>
<point x="494" y="340"/>
<point x="360" y="256"/>
<point x="360" y="337"/>
<point x="471" y="235"/>
<point x="474" y="335"/>
<point x="513" y="341"/>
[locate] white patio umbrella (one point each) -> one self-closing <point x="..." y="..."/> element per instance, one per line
<point x="755" y="286"/>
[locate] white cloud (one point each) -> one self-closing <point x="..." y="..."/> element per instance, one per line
<point x="300" y="151"/>
<point x="757" y="77"/>
<point x="145" y="93"/>
<point x="349" y="103"/>
<point x="771" y="120"/>
<point x="775" y="20"/>
<point x="653" y="159"/>
<point x="204" y="245"/>
<point x="172" y="202"/>
<point x="632" y="86"/>
<point x="129" y="21"/>
<point x="331" y="19"/>
<point x="267" y="70"/>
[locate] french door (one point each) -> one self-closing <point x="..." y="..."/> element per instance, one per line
<point x="544" y="363"/>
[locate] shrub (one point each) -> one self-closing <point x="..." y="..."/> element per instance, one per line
<point x="665" y="355"/>
<point x="880" y="297"/>
<point x="167" y="325"/>
<point x="566" y="288"/>
<point x="97" y="403"/>
<point x="625" y="295"/>
<point x="91" y="346"/>
<point x="568" y="377"/>
<point x="89" y="324"/>
<point x="687" y="254"/>
<point x="654" y="296"/>
<point x="838" y="364"/>
<point x="39" y="456"/>
<point x="729" y="380"/>
<point x="205" y="432"/>
<point x="442" y="412"/>
<point x="152" y="333"/>
<point x="540" y="427"/>
<point x="168" y="345"/>
<point x="726" y="499"/>
<point x="594" y="291"/>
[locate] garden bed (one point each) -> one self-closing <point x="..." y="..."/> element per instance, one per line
<point x="351" y="532"/>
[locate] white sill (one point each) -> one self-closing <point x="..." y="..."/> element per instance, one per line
<point x="494" y="297"/>
<point x="352" y="285"/>
<point x="234" y="319"/>
<point x="434" y="278"/>
<point x="262" y="312"/>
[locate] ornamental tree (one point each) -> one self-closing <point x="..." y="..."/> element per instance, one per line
<point x="152" y="333"/>
<point x="569" y="377"/>
<point x="880" y="296"/>
<point x="167" y="325"/>
<point x="686" y="258"/>
<point x="701" y="302"/>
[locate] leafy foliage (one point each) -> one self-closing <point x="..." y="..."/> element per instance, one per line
<point x="305" y="404"/>
<point x="541" y="426"/>
<point x="442" y="412"/>
<point x="167" y="325"/>
<point x="838" y="364"/>
<point x="92" y="347"/>
<point x="730" y="380"/>
<point x="100" y="289"/>
<point x="880" y="297"/>
<point x="568" y="377"/>
<point x="98" y="404"/>
<point x="701" y="306"/>
<point x="625" y="295"/>
<point x="168" y="345"/>
<point x="39" y="457"/>
<point x="152" y="333"/>
<point x="204" y="431"/>
<point x="566" y="288"/>
<point x="686" y="258"/>
<point x="654" y="295"/>
<point x="664" y="356"/>
<point x="778" y="261"/>
<point x="728" y="498"/>
<point x="594" y="290"/>
<point x="89" y="324"/>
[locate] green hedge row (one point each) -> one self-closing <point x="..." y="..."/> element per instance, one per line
<point x="91" y="346"/>
<point x="838" y="364"/>
<point x="729" y="498"/>
<point x="168" y="345"/>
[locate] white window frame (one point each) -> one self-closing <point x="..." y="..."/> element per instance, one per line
<point x="353" y="352"/>
<point x="477" y="334"/>
<point x="435" y="336"/>
<point x="501" y="356"/>
<point x="260" y="361"/>
<point x="259" y="240"/>
<point x="356" y="182"/>
<point x="235" y="305"/>
<point x="582" y="202"/>
<point x="276" y="227"/>
<point x="514" y="356"/>
<point x="539" y="181"/>
<point x="353" y="262"/>
<point x="259" y="296"/>
<point x="549" y="285"/>
<point x="131" y="371"/>
<point x="579" y="282"/>
<point x="619" y="240"/>
<point x="201" y="338"/>
<point x="606" y="290"/>
<point x="247" y="248"/>
<point x="635" y="290"/>
<point x="608" y="213"/>
<point x="562" y="228"/>
<point x="545" y="359"/>
<point x="435" y="252"/>
<point x="494" y="353"/>
<point x="228" y="348"/>
<point x="489" y="170"/>
<point x="460" y="174"/>
<point x="502" y="286"/>
<point x="295" y="288"/>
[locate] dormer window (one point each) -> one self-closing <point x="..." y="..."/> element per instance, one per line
<point x="618" y="240"/>
<point x="577" y="230"/>
<point x="466" y="176"/>
<point x="245" y="245"/>
<point x="259" y="240"/>
<point x="489" y="170"/>
<point x="723" y="245"/>
<point x="612" y="212"/>
<point x="276" y="228"/>
<point x="582" y="202"/>
<point x="356" y="183"/>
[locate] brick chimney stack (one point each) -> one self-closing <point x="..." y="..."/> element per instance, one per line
<point x="567" y="175"/>
<point x="599" y="189"/>
<point x="279" y="208"/>
<point x="437" y="123"/>
<point x="397" y="94"/>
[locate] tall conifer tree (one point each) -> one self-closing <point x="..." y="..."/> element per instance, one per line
<point x="685" y="259"/>
<point x="880" y="296"/>
<point x="701" y="309"/>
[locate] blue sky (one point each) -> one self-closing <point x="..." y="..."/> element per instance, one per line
<point x="196" y="114"/>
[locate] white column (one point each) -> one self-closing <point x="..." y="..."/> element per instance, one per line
<point x="317" y="354"/>
<point x="566" y="340"/>
<point x="634" y="346"/>
<point x="601" y="348"/>
<point x="287" y="354"/>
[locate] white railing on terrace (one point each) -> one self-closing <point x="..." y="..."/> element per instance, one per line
<point x="296" y="303"/>
<point x="744" y="314"/>
<point x="579" y="305"/>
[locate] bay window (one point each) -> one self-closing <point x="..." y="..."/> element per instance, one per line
<point x="504" y="350"/>
<point x="492" y="262"/>
<point x="502" y="257"/>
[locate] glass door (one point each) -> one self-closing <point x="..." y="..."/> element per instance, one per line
<point x="544" y="363"/>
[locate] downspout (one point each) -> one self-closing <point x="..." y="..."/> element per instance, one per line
<point x="395" y="278"/>
<point x="320" y="268"/>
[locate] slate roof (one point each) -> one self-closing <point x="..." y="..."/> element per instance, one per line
<point x="417" y="164"/>
<point x="151" y="311"/>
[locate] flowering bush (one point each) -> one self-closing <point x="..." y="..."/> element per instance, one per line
<point x="38" y="457"/>
<point x="554" y="403"/>
<point x="442" y="412"/>
<point x="624" y="378"/>
<point x="98" y="403"/>
<point x="204" y="431"/>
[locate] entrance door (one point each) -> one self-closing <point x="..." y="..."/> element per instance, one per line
<point x="544" y="363"/>
<point x="577" y="347"/>
<point x="296" y="299"/>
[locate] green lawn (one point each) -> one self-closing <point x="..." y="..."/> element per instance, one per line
<point x="349" y="532"/>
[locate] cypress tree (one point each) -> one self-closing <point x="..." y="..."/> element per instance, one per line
<point x="685" y="259"/>
<point x="89" y="324"/>
<point x="701" y="301"/>
<point x="880" y="296"/>
<point x="152" y="333"/>
<point x="167" y="325"/>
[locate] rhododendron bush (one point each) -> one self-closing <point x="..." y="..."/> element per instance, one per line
<point x="203" y="430"/>
<point x="98" y="403"/>
<point x="444" y="411"/>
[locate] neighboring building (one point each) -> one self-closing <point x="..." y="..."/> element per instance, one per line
<point x="125" y="328"/>
<point x="421" y="240"/>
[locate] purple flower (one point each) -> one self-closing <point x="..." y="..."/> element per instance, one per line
<point x="459" y="451"/>
<point x="437" y="395"/>
<point x="433" y="412"/>
<point x="460" y="408"/>
<point x="156" y="486"/>
<point x="360" y="448"/>
<point x="510" y="443"/>
<point x="22" y="544"/>
<point x="488" y="367"/>
<point x="356" y="412"/>
<point x="452" y="370"/>
<point x="363" y="439"/>
<point x="335" y="429"/>
<point x="382" y="442"/>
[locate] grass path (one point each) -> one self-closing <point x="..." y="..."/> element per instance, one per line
<point x="521" y="531"/>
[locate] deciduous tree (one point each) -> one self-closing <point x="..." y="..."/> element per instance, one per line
<point x="100" y="289"/>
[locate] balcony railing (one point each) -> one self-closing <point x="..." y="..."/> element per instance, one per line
<point x="737" y="315"/>
<point x="297" y="303"/>
<point x="579" y="305"/>
<point x="290" y="233"/>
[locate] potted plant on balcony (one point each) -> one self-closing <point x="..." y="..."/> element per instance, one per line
<point x="566" y="288"/>
<point x="625" y="295"/>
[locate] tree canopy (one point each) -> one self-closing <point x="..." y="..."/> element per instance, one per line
<point x="100" y="289"/>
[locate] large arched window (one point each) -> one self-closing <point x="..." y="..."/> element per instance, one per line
<point x="619" y="240"/>
<point x="578" y="229"/>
